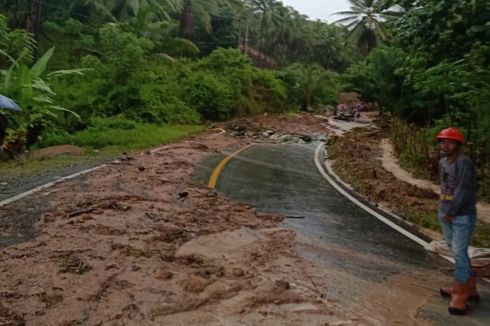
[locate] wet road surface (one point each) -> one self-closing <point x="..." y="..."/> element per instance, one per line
<point x="14" y="185"/>
<point x="332" y="231"/>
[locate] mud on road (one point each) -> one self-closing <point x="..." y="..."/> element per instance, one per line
<point x="140" y="243"/>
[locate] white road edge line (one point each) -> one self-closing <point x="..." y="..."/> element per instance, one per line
<point x="52" y="183"/>
<point x="318" y="165"/>
<point x="369" y="210"/>
<point x="360" y="204"/>
<point x="47" y="185"/>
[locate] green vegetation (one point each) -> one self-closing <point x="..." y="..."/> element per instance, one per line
<point x="130" y="74"/>
<point x="102" y="142"/>
<point x="103" y="135"/>
<point x="365" y="22"/>
<point x="22" y="168"/>
<point x="429" y="220"/>
<point x="433" y="74"/>
<point x="72" y="66"/>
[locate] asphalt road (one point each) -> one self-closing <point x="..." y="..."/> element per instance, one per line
<point x="331" y="231"/>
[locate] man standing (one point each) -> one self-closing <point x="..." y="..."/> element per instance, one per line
<point x="457" y="216"/>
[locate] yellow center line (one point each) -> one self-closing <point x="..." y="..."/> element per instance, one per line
<point x="214" y="177"/>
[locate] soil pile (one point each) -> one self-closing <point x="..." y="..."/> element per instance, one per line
<point x="139" y="243"/>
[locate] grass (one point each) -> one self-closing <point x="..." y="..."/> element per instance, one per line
<point x="136" y="137"/>
<point x="143" y="136"/>
<point x="423" y="218"/>
<point x="481" y="237"/>
<point x="100" y="145"/>
<point x="20" y="168"/>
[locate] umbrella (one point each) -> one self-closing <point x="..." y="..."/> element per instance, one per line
<point x="8" y="103"/>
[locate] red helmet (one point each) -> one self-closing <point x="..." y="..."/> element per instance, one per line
<point x="451" y="133"/>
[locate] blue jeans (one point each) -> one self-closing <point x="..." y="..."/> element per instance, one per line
<point x="458" y="235"/>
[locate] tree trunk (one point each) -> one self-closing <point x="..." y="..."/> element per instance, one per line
<point x="33" y="24"/>
<point x="246" y="38"/>
<point x="187" y="20"/>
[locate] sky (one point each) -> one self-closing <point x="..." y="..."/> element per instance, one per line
<point x="319" y="9"/>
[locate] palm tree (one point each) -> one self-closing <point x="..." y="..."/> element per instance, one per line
<point x="365" y="22"/>
<point x="200" y="11"/>
<point x="243" y="17"/>
<point x="327" y="46"/>
<point x="269" y="16"/>
<point x="123" y="9"/>
<point x="284" y="33"/>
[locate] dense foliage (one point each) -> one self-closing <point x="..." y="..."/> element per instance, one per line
<point x="434" y="74"/>
<point x="73" y="64"/>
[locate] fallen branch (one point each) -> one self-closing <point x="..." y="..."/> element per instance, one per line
<point x="81" y="211"/>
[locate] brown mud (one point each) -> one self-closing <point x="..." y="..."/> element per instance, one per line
<point x="140" y="243"/>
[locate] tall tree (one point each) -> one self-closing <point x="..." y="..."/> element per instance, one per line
<point x="286" y="36"/>
<point x="200" y="11"/>
<point x="444" y="28"/>
<point x="328" y="46"/>
<point x="365" y="22"/>
<point x="125" y="9"/>
<point x="34" y="17"/>
<point x="268" y="17"/>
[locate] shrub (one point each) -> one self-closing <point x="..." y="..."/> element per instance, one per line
<point x="268" y="91"/>
<point x="310" y="85"/>
<point x="163" y="104"/>
<point x="212" y="96"/>
<point x="225" y="84"/>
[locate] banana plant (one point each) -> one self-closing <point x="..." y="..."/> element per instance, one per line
<point x="29" y="87"/>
